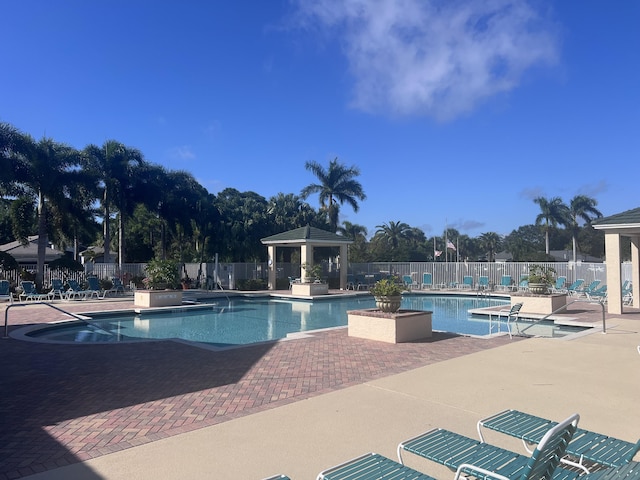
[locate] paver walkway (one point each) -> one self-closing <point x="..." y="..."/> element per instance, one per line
<point x="62" y="404"/>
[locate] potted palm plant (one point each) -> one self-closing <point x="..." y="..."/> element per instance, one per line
<point x="540" y="278"/>
<point x="387" y="293"/>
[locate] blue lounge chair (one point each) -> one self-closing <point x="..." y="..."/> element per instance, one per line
<point x="5" y="291"/>
<point x="95" y="288"/>
<point x="467" y="282"/>
<point x="427" y="281"/>
<point x="599" y="294"/>
<point x="505" y="283"/>
<point x="483" y="283"/>
<point x="585" y="446"/>
<point x="57" y="288"/>
<point x="409" y="282"/>
<point x="575" y="286"/>
<point x="372" y="466"/>
<point x="588" y="289"/>
<point x="473" y="458"/>
<point x="627" y="293"/>
<point x="29" y="292"/>
<point x="559" y="287"/>
<point x="75" y="291"/>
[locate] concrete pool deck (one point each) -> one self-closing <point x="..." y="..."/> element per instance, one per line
<point x="297" y="407"/>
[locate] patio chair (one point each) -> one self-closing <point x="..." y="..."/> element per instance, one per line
<point x="627" y="293"/>
<point x="5" y="291"/>
<point x="559" y="287"/>
<point x="29" y="292"/>
<point x="118" y="287"/>
<point x="505" y="283"/>
<point x="467" y="282"/>
<point x="371" y="466"/>
<point x="74" y="291"/>
<point x="483" y="283"/>
<point x="588" y="289"/>
<point x="599" y="294"/>
<point x="57" y="288"/>
<point x="481" y="460"/>
<point x="523" y="286"/>
<point x="585" y="446"/>
<point x="512" y="315"/>
<point x="95" y="288"/>
<point x="409" y="282"/>
<point x="427" y="281"/>
<point x="575" y="286"/>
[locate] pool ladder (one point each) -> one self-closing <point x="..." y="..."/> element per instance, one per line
<point x="6" y="314"/>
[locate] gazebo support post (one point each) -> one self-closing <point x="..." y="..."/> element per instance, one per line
<point x="271" y="252"/>
<point x="614" y="273"/>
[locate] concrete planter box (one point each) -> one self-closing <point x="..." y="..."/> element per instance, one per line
<point x="157" y="298"/>
<point x="310" y="289"/>
<point x="541" y="304"/>
<point x="401" y="326"/>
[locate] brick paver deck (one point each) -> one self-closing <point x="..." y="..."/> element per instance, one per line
<point x="61" y="404"/>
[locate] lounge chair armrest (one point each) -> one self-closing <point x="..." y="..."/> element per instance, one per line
<point x="466" y="468"/>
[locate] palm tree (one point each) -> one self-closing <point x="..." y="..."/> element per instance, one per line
<point x="393" y="234"/>
<point x="336" y="186"/>
<point x="491" y="243"/>
<point x="581" y="207"/>
<point x="114" y="164"/>
<point x="352" y="231"/>
<point x="45" y="172"/>
<point x="553" y="212"/>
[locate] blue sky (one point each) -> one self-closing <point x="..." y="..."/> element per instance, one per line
<point x="457" y="113"/>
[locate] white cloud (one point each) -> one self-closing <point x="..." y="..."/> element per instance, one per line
<point x="183" y="152"/>
<point x="431" y="57"/>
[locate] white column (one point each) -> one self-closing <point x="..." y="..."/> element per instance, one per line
<point x="271" y="251"/>
<point x="635" y="270"/>
<point x="614" y="273"/>
<point x="306" y="256"/>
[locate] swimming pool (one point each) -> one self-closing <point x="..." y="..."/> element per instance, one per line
<point x="240" y="321"/>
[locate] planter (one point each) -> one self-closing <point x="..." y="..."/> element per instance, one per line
<point x="388" y="303"/>
<point x="540" y="304"/>
<point x="157" y="298"/>
<point x="402" y="326"/>
<point x="309" y="289"/>
<point x="538" y="288"/>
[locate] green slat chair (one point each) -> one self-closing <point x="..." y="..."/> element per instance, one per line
<point x="371" y="466"/>
<point x="474" y="458"/>
<point x="585" y="446"/>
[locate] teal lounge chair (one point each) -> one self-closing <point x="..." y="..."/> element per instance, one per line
<point x="95" y="288"/>
<point x="505" y="283"/>
<point x="29" y="292"/>
<point x="523" y="286"/>
<point x="575" y="286"/>
<point x="57" y="288"/>
<point x="599" y="294"/>
<point x="75" y="291"/>
<point x="409" y="283"/>
<point x="474" y="458"/>
<point x="585" y="446"/>
<point x="372" y="466"/>
<point x="5" y="291"/>
<point x="559" y="287"/>
<point x="427" y="281"/>
<point x="483" y="283"/>
<point x="588" y="289"/>
<point x="627" y="293"/>
<point x="277" y="477"/>
<point x="467" y="282"/>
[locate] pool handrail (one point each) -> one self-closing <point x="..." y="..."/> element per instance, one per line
<point x="6" y="313"/>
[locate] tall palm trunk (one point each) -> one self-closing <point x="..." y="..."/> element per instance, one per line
<point x="42" y="241"/>
<point x="120" y="241"/>
<point x="105" y="229"/>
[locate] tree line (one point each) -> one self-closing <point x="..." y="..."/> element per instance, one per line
<point x="110" y="196"/>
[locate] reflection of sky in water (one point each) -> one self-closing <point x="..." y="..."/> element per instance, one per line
<point x="242" y="321"/>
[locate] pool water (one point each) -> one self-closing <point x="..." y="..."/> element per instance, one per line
<point x="241" y="321"/>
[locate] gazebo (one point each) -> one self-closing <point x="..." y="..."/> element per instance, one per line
<point x="306" y="238"/>
<point x="625" y="224"/>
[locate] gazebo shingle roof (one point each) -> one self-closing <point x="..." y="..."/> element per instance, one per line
<point x="306" y="234"/>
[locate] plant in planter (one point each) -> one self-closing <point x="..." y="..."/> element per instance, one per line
<point x="540" y="278"/>
<point x="161" y="274"/>
<point x="387" y="293"/>
<point x="313" y="273"/>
